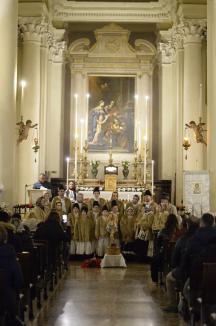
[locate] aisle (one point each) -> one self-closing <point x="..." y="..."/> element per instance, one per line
<point x="109" y="297"/>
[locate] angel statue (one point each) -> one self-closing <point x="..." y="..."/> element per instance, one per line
<point x="198" y="130"/>
<point x="24" y="129"/>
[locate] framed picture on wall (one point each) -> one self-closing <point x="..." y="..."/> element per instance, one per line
<point x="111" y="113"/>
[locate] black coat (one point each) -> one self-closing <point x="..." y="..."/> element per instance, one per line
<point x="195" y="246"/>
<point x="51" y="231"/>
<point x="13" y="279"/>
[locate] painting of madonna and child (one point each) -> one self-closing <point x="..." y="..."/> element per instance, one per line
<point x="111" y="114"/>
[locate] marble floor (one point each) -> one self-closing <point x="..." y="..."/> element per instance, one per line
<point x="108" y="297"/>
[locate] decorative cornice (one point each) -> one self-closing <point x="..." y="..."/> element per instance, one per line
<point x="108" y="11"/>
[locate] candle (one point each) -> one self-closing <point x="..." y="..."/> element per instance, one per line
<point x="87" y="107"/>
<point x="75" y="159"/>
<point x="145" y="158"/>
<point x="23" y="85"/>
<point x="81" y="135"/>
<point x="76" y="108"/>
<point x="152" y="177"/>
<point x="200" y="106"/>
<point x="146" y="115"/>
<point x="67" y="160"/>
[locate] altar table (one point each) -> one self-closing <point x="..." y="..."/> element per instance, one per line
<point x="113" y="261"/>
<point x="127" y="195"/>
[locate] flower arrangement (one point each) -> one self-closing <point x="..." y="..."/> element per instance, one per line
<point x="91" y="263"/>
<point x="94" y="169"/>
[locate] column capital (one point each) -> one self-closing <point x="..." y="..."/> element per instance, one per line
<point x="57" y="51"/>
<point x="30" y="28"/>
<point x="166" y="52"/>
<point x="194" y="31"/>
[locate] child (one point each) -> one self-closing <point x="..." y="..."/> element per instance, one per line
<point x="84" y="233"/>
<point x="72" y="218"/>
<point x="101" y="233"/>
<point x="127" y="227"/>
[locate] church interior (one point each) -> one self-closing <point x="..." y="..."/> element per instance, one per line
<point x="107" y="162"/>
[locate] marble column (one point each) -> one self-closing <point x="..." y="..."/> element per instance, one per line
<point x="43" y="96"/>
<point x="8" y="68"/>
<point x="211" y="95"/>
<point x="180" y="123"/>
<point x="192" y="81"/>
<point x="30" y="106"/>
<point x="55" y="110"/>
<point x="167" y="116"/>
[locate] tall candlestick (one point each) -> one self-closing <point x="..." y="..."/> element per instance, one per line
<point x="152" y="177"/>
<point x="67" y="160"/>
<point x="200" y="104"/>
<point x="76" y="137"/>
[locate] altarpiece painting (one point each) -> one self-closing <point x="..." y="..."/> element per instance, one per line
<point x="111" y="113"/>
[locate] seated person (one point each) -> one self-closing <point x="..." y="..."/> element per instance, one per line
<point x="71" y="191"/>
<point x="12" y="238"/>
<point x="42" y="182"/>
<point x="47" y="202"/>
<point x="13" y="278"/>
<point x="66" y="203"/>
<point x="96" y="195"/>
<point x="119" y="203"/>
<point x="23" y="233"/>
<point x="31" y="221"/>
<point x="165" y="242"/>
<point x="175" y="275"/>
<point x="39" y="210"/>
<point x="51" y="230"/>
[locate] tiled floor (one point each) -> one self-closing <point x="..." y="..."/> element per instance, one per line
<point x="109" y="297"/>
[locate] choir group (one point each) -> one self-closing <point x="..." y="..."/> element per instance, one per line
<point x="97" y="223"/>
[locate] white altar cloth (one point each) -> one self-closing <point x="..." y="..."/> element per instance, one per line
<point x="113" y="261"/>
<point x="127" y="195"/>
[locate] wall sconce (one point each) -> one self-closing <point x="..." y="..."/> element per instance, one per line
<point x="186" y="145"/>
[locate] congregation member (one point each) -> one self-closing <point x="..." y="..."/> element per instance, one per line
<point x="71" y="191"/>
<point x="84" y="233"/>
<point x="39" y="210"/>
<point x="97" y="198"/>
<point x="12" y="238"/>
<point x="174" y="276"/>
<point x="115" y="196"/>
<point x="101" y="233"/>
<point x="66" y="203"/>
<point x="47" y="202"/>
<point x="128" y="227"/>
<point x="13" y="279"/>
<point x="23" y="233"/>
<point x="31" y="221"/>
<point x="51" y="230"/>
<point x="165" y="242"/>
<point x="199" y="247"/>
<point x="42" y="182"/>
